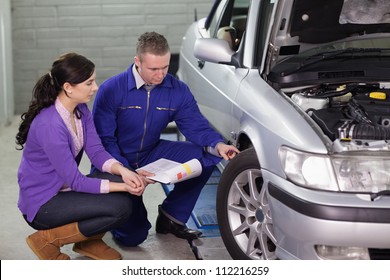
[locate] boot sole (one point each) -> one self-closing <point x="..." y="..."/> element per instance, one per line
<point x="89" y="255"/>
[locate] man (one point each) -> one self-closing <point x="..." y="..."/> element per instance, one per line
<point x="130" y="112"/>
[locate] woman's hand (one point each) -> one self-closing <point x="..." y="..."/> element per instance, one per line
<point x="144" y="174"/>
<point x="134" y="183"/>
<point x="133" y="180"/>
<point x="134" y="190"/>
<point x="130" y="177"/>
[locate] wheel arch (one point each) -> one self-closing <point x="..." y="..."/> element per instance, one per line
<point x="249" y="137"/>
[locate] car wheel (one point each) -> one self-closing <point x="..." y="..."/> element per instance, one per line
<point x="243" y="210"/>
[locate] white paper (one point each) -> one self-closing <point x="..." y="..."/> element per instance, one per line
<point x="167" y="171"/>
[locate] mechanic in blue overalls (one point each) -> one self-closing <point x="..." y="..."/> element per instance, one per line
<point x="130" y="112"/>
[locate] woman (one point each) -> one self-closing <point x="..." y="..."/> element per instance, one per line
<point x="63" y="205"/>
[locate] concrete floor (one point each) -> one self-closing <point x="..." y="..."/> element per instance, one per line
<point x="14" y="230"/>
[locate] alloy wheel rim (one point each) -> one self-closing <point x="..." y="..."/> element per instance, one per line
<point x="250" y="217"/>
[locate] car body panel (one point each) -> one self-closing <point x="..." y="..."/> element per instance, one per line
<point x="272" y="132"/>
<point x="297" y="80"/>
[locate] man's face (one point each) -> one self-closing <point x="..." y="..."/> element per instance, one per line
<point x="153" y="68"/>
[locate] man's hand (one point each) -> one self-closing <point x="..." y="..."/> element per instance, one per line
<point x="227" y="151"/>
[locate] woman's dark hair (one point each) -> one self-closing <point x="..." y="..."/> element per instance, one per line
<point x="70" y="67"/>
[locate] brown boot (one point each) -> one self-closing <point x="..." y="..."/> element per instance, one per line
<point x="46" y="243"/>
<point x="95" y="248"/>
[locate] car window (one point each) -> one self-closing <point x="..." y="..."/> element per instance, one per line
<point x="229" y="21"/>
<point x="215" y="21"/>
<point x="239" y="17"/>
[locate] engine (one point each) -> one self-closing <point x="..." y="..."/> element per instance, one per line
<point x="348" y="112"/>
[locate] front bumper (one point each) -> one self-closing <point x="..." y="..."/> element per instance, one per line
<point x="303" y="218"/>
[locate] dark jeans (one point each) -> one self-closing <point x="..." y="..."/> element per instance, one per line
<point x="135" y="229"/>
<point x="95" y="213"/>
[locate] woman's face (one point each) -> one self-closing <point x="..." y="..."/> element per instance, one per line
<point x="83" y="92"/>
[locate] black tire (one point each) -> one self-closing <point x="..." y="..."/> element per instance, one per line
<point x="243" y="212"/>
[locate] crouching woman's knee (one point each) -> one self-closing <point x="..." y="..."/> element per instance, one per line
<point x="123" y="208"/>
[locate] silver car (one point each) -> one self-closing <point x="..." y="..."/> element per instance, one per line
<point x="302" y="88"/>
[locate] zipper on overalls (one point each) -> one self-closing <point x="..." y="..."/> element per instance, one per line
<point x="143" y="136"/>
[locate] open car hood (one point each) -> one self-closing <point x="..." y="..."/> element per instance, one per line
<point x="307" y="24"/>
<point x="323" y="21"/>
<point x="326" y="25"/>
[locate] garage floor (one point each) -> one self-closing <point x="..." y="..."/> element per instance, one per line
<point x="14" y="229"/>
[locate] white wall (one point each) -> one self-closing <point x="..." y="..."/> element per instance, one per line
<point x="6" y="77"/>
<point x="105" y="31"/>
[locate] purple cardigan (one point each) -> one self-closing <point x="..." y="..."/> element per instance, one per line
<point x="48" y="161"/>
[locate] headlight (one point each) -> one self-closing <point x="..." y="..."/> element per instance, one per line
<point x="308" y="170"/>
<point x="361" y="173"/>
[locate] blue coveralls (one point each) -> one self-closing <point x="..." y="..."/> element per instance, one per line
<point x="130" y="121"/>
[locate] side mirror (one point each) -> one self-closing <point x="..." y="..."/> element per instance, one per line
<point x="213" y="50"/>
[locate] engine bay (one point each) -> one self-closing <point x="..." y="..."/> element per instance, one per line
<point x="355" y="116"/>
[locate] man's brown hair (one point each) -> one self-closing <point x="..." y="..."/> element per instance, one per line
<point x="152" y="42"/>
